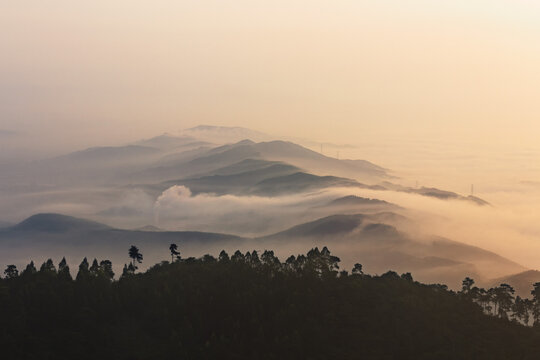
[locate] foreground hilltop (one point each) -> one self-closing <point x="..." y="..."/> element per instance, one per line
<point x="247" y="307"/>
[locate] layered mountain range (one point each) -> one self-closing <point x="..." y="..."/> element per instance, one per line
<point x="206" y="194"/>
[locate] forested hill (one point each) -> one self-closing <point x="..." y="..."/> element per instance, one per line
<point x="246" y="307"/>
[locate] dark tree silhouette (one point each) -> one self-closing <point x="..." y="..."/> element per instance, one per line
<point x="63" y="270"/>
<point x="536" y="303"/>
<point x="223" y="256"/>
<point x="407" y="276"/>
<point x="290" y="263"/>
<point x="135" y="256"/>
<point x="520" y="310"/>
<point x="11" y="272"/>
<point x="174" y="252"/>
<point x="269" y="259"/>
<point x="504" y="298"/>
<point x="105" y="269"/>
<point x="84" y="272"/>
<point x="48" y="266"/>
<point x="208" y="258"/>
<point x="125" y="271"/>
<point x="254" y="258"/>
<point x="237" y="256"/>
<point x="30" y="269"/>
<point x="466" y="285"/>
<point x="94" y="269"/>
<point x="357" y="269"/>
<point x="200" y="308"/>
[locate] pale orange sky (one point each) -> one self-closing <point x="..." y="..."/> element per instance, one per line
<point x="76" y="74"/>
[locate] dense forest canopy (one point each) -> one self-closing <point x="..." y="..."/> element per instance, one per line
<point x="251" y="306"/>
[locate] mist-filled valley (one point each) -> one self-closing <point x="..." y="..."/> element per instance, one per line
<point x="211" y="188"/>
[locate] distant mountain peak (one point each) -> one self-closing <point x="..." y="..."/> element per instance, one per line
<point x="149" y="228"/>
<point x="356" y="200"/>
<point x="51" y="222"/>
<point x="326" y="226"/>
<point x="168" y="141"/>
<point x="225" y="134"/>
<point x="245" y="142"/>
<point x="214" y="127"/>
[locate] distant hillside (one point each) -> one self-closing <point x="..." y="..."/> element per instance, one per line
<point x="300" y="182"/>
<point x="353" y="203"/>
<point x="238" y="178"/>
<point x="151" y="228"/>
<point x="57" y="223"/>
<point x="260" y="177"/>
<point x="48" y="235"/>
<point x="521" y="282"/>
<point x="106" y="154"/>
<point x="373" y="239"/>
<point x="356" y="200"/>
<point x="331" y="225"/>
<point x="316" y="162"/>
<point x="249" y="165"/>
<point x="225" y="134"/>
<point x="191" y="164"/>
<point x="170" y="142"/>
<point x="434" y="192"/>
<point x="280" y="167"/>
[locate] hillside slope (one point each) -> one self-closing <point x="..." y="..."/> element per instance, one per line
<point x="246" y="308"/>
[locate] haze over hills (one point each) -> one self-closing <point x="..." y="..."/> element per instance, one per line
<point x="57" y="223"/>
<point x="522" y="282"/>
<point x="375" y="240"/>
<point x="353" y="200"/>
<point x="253" y="186"/>
<point x="179" y="166"/>
<point x="370" y="238"/>
<point x="4" y="224"/>
<point x="173" y="143"/>
<point x="45" y="236"/>
<point x="168" y="158"/>
<point x="226" y="134"/>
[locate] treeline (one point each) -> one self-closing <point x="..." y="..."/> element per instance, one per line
<point x="251" y="306"/>
<point x="500" y="301"/>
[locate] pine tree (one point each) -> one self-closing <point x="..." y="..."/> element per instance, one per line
<point x="84" y="272"/>
<point x="30" y="269"/>
<point x="94" y="269"/>
<point x="48" y="267"/>
<point x="63" y="270"/>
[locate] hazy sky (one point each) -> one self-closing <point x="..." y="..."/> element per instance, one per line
<point x="80" y="73"/>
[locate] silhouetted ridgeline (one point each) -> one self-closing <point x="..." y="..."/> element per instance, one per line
<point x="249" y="307"/>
